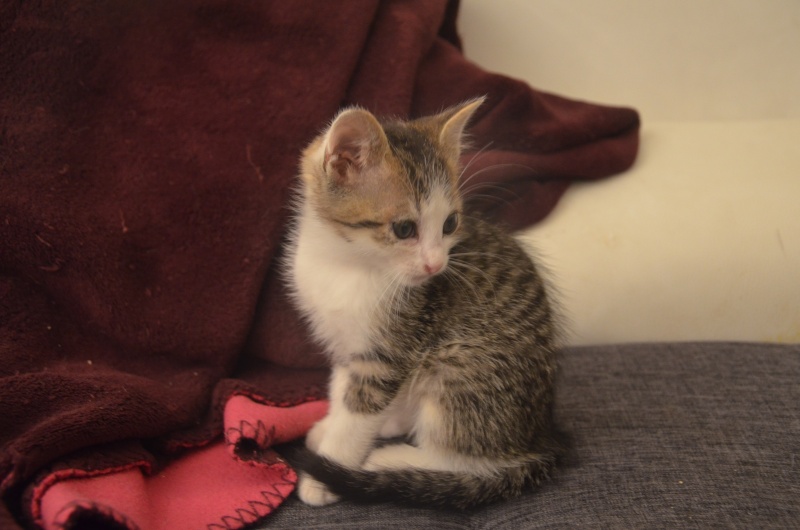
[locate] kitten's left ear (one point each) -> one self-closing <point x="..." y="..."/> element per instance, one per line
<point x="451" y="134"/>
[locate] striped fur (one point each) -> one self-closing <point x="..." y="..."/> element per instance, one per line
<point x="445" y="337"/>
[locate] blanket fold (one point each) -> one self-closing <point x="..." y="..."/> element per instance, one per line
<point x="147" y="153"/>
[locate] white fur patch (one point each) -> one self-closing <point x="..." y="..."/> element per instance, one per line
<point x="433" y="247"/>
<point x="405" y="456"/>
<point x="337" y="291"/>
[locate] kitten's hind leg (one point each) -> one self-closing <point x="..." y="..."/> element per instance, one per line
<point x="400" y="456"/>
<point x="403" y="456"/>
<point x="399" y="418"/>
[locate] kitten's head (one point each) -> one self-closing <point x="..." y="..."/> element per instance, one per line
<point x="390" y="190"/>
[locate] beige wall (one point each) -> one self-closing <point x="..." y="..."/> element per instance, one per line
<point x="680" y="60"/>
<point x="700" y="240"/>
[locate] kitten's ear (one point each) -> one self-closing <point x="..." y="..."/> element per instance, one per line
<point x="451" y="134"/>
<point x="355" y="140"/>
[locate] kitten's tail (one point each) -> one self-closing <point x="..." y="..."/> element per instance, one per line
<point x="417" y="486"/>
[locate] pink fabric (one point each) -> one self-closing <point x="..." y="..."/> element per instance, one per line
<point x="243" y="490"/>
<point x="245" y="419"/>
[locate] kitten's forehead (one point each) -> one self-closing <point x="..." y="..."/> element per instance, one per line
<point x="420" y="159"/>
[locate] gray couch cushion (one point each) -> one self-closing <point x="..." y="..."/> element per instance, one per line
<point x="665" y="435"/>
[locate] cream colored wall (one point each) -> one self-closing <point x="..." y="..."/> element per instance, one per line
<point x="700" y="240"/>
<point x="672" y="59"/>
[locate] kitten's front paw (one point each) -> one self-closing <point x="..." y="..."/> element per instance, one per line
<point x="315" y="435"/>
<point x="313" y="492"/>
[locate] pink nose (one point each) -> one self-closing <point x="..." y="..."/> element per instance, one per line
<point x="433" y="268"/>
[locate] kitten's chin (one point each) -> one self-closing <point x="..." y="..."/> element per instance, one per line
<point x="415" y="280"/>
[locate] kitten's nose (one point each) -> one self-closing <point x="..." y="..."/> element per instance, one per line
<point x="434" y="267"/>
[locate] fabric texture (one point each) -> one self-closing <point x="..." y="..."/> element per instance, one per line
<point x="695" y="435"/>
<point x="224" y="485"/>
<point x="147" y="152"/>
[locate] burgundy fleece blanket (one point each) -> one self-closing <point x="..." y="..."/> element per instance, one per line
<point x="148" y="358"/>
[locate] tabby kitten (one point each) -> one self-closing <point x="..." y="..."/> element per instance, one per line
<point x="438" y="325"/>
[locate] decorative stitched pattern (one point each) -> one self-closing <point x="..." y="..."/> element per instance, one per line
<point x="271" y="498"/>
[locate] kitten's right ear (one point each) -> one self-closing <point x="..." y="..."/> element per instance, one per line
<point x="355" y="140"/>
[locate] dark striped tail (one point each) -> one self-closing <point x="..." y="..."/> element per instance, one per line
<point x="424" y="487"/>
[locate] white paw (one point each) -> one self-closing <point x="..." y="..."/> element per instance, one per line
<point x="313" y="492"/>
<point x="316" y="434"/>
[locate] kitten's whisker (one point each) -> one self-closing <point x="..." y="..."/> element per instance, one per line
<point x="462" y="280"/>
<point x="493" y="167"/>
<point x="389" y="285"/>
<point x="507" y="165"/>
<point x="397" y="302"/>
<point x="476" y="269"/>
<point x="399" y="296"/>
<point x="492" y="187"/>
<point x="462" y="254"/>
<point x="474" y="157"/>
<point x="487" y="198"/>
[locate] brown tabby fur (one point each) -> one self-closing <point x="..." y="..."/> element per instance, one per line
<point x="472" y="349"/>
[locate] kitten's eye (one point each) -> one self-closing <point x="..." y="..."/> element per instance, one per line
<point x="404" y="229"/>
<point x="450" y="224"/>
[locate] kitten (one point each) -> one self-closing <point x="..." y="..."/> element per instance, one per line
<point x="438" y="324"/>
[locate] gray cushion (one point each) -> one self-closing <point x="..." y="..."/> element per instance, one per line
<point x="665" y="435"/>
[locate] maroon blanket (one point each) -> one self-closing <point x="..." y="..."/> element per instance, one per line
<point x="147" y="150"/>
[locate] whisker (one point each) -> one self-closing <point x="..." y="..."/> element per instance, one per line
<point x="390" y="285"/>
<point x="461" y="280"/>
<point x="482" y="197"/>
<point x="489" y="186"/>
<point x="500" y="166"/>
<point x="400" y="295"/>
<point x="471" y="267"/>
<point x="476" y="253"/>
<point x="475" y="157"/>
<point x="457" y="262"/>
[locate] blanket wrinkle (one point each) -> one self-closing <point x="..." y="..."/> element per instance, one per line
<point x="148" y="152"/>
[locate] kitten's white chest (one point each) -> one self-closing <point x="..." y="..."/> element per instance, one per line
<point x="339" y="298"/>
